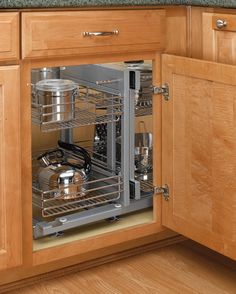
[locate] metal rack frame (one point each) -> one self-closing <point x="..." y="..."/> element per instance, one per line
<point x="97" y="191"/>
<point x="90" y="107"/>
<point x="107" y="193"/>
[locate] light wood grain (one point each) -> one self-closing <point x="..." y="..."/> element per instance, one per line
<point x="24" y="275"/>
<point x="10" y="196"/>
<point x="174" y="269"/>
<point x="195" y="32"/>
<point x="177" y="31"/>
<point x="157" y="133"/>
<point x="61" y="33"/>
<point x="26" y="158"/>
<point x="199" y="152"/>
<point x="9" y="36"/>
<point x="219" y="44"/>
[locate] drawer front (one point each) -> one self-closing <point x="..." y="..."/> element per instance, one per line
<point x="219" y="37"/>
<point x="9" y="36"/>
<point x="224" y="22"/>
<point x="47" y="34"/>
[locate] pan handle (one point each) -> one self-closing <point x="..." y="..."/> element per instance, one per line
<point x="78" y="151"/>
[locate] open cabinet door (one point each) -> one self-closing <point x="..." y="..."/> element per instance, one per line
<point x="199" y="151"/>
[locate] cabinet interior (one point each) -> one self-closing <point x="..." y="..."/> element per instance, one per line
<point x="108" y="113"/>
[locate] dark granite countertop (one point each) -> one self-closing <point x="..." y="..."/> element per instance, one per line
<point x="97" y="3"/>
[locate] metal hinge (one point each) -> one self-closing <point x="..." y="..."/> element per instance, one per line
<point x="163" y="90"/>
<point x="163" y="190"/>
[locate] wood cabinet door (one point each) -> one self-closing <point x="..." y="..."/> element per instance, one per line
<point x="199" y="151"/>
<point x="10" y="196"/>
<point x="9" y="36"/>
<point x="219" y="37"/>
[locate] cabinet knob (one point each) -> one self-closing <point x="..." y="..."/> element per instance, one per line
<point x="220" y="23"/>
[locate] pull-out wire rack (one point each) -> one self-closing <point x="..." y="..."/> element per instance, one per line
<point x="90" y="107"/>
<point x="98" y="191"/>
<point x="102" y="186"/>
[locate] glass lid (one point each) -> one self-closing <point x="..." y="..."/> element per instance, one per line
<point x="54" y="85"/>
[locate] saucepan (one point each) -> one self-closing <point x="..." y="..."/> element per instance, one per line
<point x="143" y="150"/>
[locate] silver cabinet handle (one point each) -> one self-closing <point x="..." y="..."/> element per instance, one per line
<point x="100" y="34"/>
<point x="220" y="23"/>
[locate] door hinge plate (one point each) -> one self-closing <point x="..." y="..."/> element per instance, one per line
<point x="164" y="190"/>
<point x="163" y="90"/>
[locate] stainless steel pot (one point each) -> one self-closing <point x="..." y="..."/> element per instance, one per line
<point x="64" y="179"/>
<point x="143" y="152"/>
<point x="39" y="74"/>
<point x="57" y="97"/>
<point x="44" y="73"/>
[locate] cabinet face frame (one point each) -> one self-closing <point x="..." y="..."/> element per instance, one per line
<point x="10" y="185"/>
<point x="91" y="244"/>
<point x="199" y="151"/>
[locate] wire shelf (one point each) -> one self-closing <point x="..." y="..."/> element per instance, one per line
<point x="146" y="186"/>
<point x="101" y="187"/>
<point x="95" y="192"/>
<point x="89" y="108"/>
<point x="143" y="111"/>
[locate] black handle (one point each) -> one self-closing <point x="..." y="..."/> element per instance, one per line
<point x="78" y="151"/>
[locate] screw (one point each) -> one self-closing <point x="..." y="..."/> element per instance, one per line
<point x="63" y="219"/>
<point x="117" y="205"/>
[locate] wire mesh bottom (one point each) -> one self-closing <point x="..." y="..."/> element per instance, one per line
<point x="96" y="192"/>
<point x="89" y="108"/>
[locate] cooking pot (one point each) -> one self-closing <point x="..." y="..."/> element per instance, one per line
<point x="64" y="178"/>
<point x="143" y="152"/>
<point x="38" y="74"/>
<point x="57" y="97"/>
<point x="44" y="73"/>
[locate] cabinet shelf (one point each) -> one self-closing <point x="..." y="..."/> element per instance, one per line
<point x="98" y="190"/>
<point x="89" y="108"/>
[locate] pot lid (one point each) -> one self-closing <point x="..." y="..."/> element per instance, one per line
<point x="55" y="85"/>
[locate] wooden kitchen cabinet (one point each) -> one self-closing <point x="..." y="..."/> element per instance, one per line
<point x="9" y="36"/>
<point x="194" y="131"/>
<point x="10" y="162"/>
<point x="219" y="37"/>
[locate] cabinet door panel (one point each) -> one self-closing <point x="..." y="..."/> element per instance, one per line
<point x="219" y="43"/>
<point x="10" y="199"/>
<point x="9" y="36"/>
<point x="199" y="152"/>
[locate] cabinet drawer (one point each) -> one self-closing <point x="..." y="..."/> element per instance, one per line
<point x="9" y="36"/>
<point x="64" y="33"/>
<point x="219" y="37"/>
